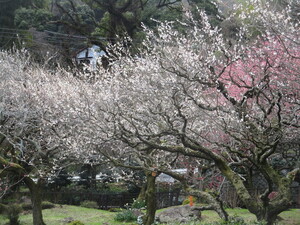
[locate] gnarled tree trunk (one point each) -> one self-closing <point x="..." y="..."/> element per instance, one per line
<point x="263" y="208"/>
<point x="142" y="194"/>
<point x="150" y="199"/>
<point x="214" y="202"/>
<point x="36" y="200"/>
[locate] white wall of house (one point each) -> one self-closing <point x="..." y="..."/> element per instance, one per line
<point x="91" y="54"/>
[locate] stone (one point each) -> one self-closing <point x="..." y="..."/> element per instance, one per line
<point x="25" y="199"/>
<point x="68" y="220"/>
<point x="181" y="214"/>
<point x="137" y="212"/>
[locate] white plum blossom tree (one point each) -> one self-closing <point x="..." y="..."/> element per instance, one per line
<point x="196" y="93"/>
<point x="29" y="149"/>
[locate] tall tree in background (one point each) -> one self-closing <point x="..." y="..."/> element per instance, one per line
<point x="8" y="11"/>
<point x="114" y="19"/>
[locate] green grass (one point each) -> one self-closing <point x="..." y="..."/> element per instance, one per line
<point x="212" y="216"/>
<point x="57" y="215"/>
<point x="89" y="216"/>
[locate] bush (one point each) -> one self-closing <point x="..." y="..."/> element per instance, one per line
<point x="12" y="213"/>
<point x="76" y="222"/>
<point x="116" y="188"/>
<point x="45" y="205"/>
<point x="125" y="216"/>
<point x="233" y="220"/>
<point x="26" y="206"/>
<point x="2" y="208"/>
<point x="89" y="204"/>
<point x="115" y="210"/>
<point x="138" y="204"/>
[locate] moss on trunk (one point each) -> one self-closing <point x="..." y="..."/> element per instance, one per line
<point x="149" y="218"/>
<point x="142" y="194"/>
<point x="214" y="202"/>
<point x="263" y="208"/>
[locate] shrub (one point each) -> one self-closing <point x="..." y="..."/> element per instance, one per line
<point x="233" y="220"/>
<point x="12" y="213"/>
<point x="76" y="222"/>
<point x="125" y="216"/>
<point x="115" y="210"/>
<point x="138" y="204"/>
<point x="45" y="205"/>
<point x="26" y="206"/>
<point x="89" y="204"/>
<point x="2" y="208"/>
<point x="116" y="188"/>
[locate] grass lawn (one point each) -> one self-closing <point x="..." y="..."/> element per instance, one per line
<point x="57" y="215"/>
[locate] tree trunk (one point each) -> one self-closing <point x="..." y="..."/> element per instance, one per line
<point x="266" y="216"/>
<point x="142" y="194"/>
<point x="36" y="200"/>
<point x="263" y="208"/>
<point x="214" y="202"/>
<point x="150" y="200"/>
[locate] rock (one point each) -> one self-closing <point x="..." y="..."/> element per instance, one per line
<point x="25" y="199"/>
<point x="181" y="214"/>
<point x="68" y="220"/>
<point x="137" y="212"/>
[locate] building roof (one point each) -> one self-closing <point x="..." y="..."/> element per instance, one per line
<point x="90" y="52"/>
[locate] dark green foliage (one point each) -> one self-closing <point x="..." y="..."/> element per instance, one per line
<point x="27" y="18"/>
<point x="175" y="12"/>
<point x="115" y="210"/>
<point x="12" y="212"/>
<point x="26" y="206"/>
<point x="8" y="11"/>
<point x="89" y="204"/>
<point x="75" y="16"/>
<point x="138" y="204"/>
<point x="2" y="208"/>
<point x="45" y="205"/>
<point x="62" y="180"/>
<point x="88" y="176"/>
<point x="210" y="8"/>
<point x="126" y="216"/>
<point x="235" y="220"/>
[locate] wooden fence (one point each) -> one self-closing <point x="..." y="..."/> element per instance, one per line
<point x="231" y="199"/>
<point x="106" y="201"/>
